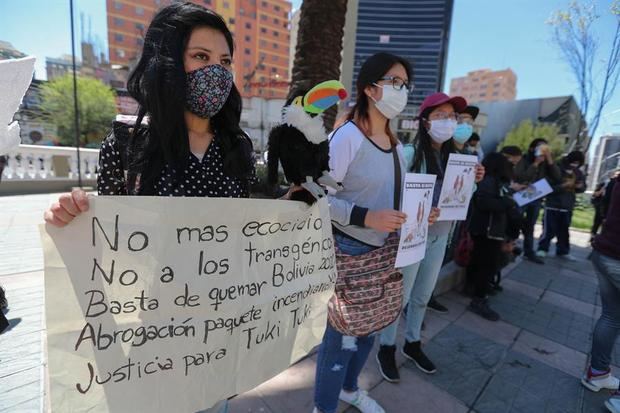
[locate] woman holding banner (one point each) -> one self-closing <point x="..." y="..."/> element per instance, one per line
<point x="186" y="140"/>
<point x="432" y="146"/>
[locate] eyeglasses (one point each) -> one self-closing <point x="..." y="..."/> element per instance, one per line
<point x="465" y="118"/>
<point x="443" y="116"/>
<point x="397" y="82"/>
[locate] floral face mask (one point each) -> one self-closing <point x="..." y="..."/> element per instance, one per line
<point x="207" y="90"/>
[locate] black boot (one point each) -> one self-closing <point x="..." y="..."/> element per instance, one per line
<point x="436" y="306"/>
<point x="387" y="363"/>
<point x="481" y="307"/>
<point x="413" y="351"/>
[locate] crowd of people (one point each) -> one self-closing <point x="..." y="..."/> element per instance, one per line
<point x="184" y="85"/>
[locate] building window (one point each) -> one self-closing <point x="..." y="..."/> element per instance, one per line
<point x="231" y="20"/>
<point x="241" y="11"/>
<point x="120" y="53"/>
<point x="140" y="26"/>
<point x="483" y="95"/>
<point x="263" y="43"/>
<point x="263" y="17"/>
<point x="139" y="11"/>
<point x="276" y="8"/>
<point x="119" y="22"/>
<point x="246" y="51"/>
<point x="119" y="37"/>
<point x="226" y="5"/>
<point x="497" y="84"/>
<point x="274" y="70"/>
<point x="208" y="2"/>
<point x="495" y="93"/>
<point x="276" y="58"/>
<point x="246" y="63"/>
<point x="285" y="25"/>
<point x="276" y="21"/>
<point x="264" y="4"/>
<point x="248" y="39"/>
<point x="286" y="15"/>
<point x="118" y="6"/>
<point x="248" y="25"/>
<point x="263" y="30"/>
<point x="276" y="34"/>
<point x="139" y="41"/>
<point x="276" y="46"/>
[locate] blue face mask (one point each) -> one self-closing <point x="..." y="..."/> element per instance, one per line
<point x="463" y="132"/>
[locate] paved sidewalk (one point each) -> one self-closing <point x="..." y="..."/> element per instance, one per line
<point x="530" y="361"/>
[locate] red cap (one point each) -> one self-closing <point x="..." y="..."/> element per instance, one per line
<point x="437" y="99"/>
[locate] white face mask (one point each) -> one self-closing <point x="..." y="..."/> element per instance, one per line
<point x="393" y="101"/>
<point x="442" y="130"/>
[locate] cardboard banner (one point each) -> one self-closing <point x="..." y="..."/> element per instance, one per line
<point x="537" y="190"/>
<point x="458" y="187"/>
<point x="417" y="204"/>
<point x="173" y="304"/>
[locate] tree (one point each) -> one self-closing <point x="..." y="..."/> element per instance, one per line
<point x="319" y="47"/>
<point x="96" y="108"/>
<point x="574" y="35"/>
<point x="524" y="133"/>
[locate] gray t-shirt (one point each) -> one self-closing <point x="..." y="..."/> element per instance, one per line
<point x="367" y="175"/>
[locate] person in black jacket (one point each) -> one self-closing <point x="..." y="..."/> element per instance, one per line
<point x="493" y="222"/>
<point x="560" y="204"/>
<point x="536" y="164"/>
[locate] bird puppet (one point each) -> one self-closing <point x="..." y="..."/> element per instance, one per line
<point x="300" y="143"/>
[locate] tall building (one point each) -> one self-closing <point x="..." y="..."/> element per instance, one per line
<point x="260" y="28"/>
<point x="293" y="47"/>
<point x="417" y="30"/>
<point x="486" y="85"/>
<point x="606" y="158"/>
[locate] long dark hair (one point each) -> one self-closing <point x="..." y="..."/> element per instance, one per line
<point x="499" y="167"/>
<point x="373" y="69"/>
<point x="158" y="84"/>
<point x="532" y="148"/>
<point x="424" y="151"/>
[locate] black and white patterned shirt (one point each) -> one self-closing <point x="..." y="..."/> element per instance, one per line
<point x="204" y="177"/>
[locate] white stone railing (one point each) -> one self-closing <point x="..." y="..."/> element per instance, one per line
<point x="38" y="162"/>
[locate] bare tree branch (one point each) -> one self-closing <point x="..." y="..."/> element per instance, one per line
<point x="573" y="33"/>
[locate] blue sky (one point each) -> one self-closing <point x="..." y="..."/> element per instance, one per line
<point x="485" y="34"/>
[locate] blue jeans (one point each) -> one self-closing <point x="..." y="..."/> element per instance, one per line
<point x="340" y="358"/>
<point x="608" y="326"/>
<point x="424" y="284"/>
<point x="555" y="225"/>
<point x="220" y="407"/>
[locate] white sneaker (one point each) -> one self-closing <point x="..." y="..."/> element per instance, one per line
<point x="613" y="404"/>
<point x="567" y="257"/>
<point x="541" y="254"/>
<point x="599" y="382"/>
<point x="362" y="401"/>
